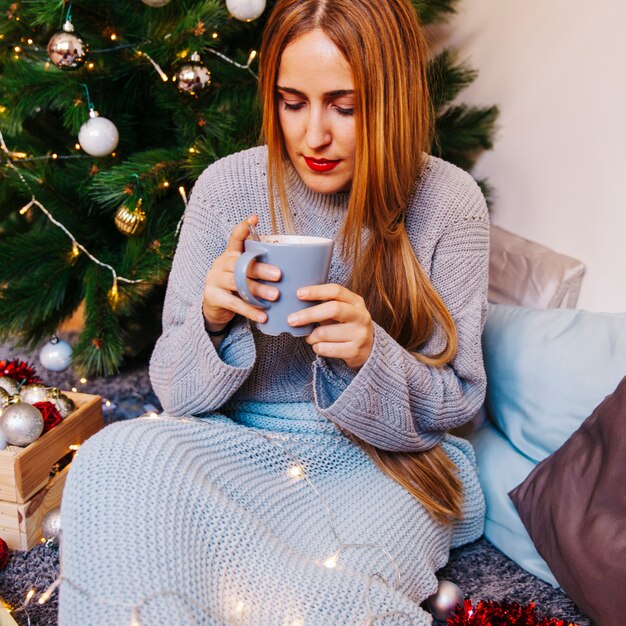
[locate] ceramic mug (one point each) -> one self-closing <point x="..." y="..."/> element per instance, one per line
<point x="303" y="261"/>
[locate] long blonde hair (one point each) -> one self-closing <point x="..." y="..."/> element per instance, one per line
<point x="383" y="43"/>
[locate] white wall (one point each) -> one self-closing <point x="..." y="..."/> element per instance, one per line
<point x="557" y="70"/>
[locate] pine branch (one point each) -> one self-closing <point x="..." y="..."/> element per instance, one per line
<point x="463" y="131"/>
<point x="431" y="11"/>
<point x="447" y="78"/>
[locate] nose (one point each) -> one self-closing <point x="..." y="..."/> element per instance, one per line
<point x="318" y="133"/>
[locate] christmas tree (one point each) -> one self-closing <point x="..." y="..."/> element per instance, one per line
<point x="109" y="111"/>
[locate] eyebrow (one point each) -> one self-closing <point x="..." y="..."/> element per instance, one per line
<point x="337" y="93"/>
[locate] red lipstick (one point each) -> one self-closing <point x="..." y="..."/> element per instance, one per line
<point x="320" y="165"/>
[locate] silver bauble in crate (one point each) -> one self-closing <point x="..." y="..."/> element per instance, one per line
<point x="67" y="49"/>
<point x="130" y="221"/>
<point x="98" y="136"/>
<point x="156" y="3"/>
<point x="64" y="404"/>
<point x="51" y="525"/>
<point x="56" y="355"/>
<point x="193" y="77"/>
<point x="21" y="424"/>
<point x="245" y="10"/>
<point x="442" y="604"/>
<point x="35" y="392"/>
<point x="9" y="385"/>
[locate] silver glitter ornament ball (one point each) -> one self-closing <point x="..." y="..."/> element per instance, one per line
<point x="442" y="604"/>
<point x="156" y="3"/>
<point x="35" y="392"/>
<point x="21" y="424"/>
<point x="193" y="77"/>
<point x="9" y="385"/>
<point x="245" y="10"/>
<point x="51" y="525"/>
<point x="66" y="49"/>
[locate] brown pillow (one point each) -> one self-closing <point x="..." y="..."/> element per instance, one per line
<point x="573" y="505"/>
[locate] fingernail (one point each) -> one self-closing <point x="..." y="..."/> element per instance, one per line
<point x="275" y="273"/>
<point x="294" y="318"/>
<point x="302" y="293"/>
<point x="261" y="317"/>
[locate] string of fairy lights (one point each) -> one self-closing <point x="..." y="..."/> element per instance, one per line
<point x="15" y="156"/>
<point x="293" y="470"/>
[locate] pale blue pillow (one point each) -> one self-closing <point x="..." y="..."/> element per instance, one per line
<point x="501" y="468"/>
<point x="547" y="370"/>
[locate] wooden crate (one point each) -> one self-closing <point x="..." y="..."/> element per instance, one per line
<point x="27" y="492"/>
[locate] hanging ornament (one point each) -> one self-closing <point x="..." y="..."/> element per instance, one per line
<point x="51" y="526"/>
<point x="156" y="3"/>
<point x="67" y="49"/>
<point x="193" y="77"/>
<point x="5" y="396"/>
<point x="21" y="423"/>
<point x="245" y="10"/>
<point x="130" y="221"/>
<point x="9" y="385"/>
<point x="98" y="136"/>
<point x="443" y="603"/>
<point x="56" y="355"/>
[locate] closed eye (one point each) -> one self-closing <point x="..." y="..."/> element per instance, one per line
<point x="292" y="106"/>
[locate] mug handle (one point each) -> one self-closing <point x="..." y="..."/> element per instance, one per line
<point x="241" y="278"/>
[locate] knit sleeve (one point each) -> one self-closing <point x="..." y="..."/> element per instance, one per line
<point x="396" y="402"/>
<point x="188" y="374"/>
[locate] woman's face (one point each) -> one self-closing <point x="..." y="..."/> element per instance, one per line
<point x="316" y="112"/>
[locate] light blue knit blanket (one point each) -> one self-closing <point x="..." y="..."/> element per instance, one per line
<point x="263" y="516"/>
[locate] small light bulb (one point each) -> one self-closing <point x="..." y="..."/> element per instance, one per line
<point x="331" y="561"/>
<point x="90" y="66"/>
<point x="215" y="35"/>
<point x="75" y="249"/>
<point x="74" y="389"/>
<point x="192" y="150"/>
<point x="295" y="471"/>
<point x="113" y="37"/>
<point x="17" y="49"/>
<point x="83" y="380"/>
<point x="113" y="154"/>
<point x="74" y="446"/>
<point x="30" y="42"/>
<point x="77" y="146"/>
<point x="55" y="155"/>
<point x="166" y="183"/>
<point x="108" y="403"/>
<point x="252" y="57"/>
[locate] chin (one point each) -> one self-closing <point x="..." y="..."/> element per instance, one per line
<point x="325" y="184"/>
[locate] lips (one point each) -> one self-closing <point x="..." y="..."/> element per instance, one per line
<point x="321" y="165"/>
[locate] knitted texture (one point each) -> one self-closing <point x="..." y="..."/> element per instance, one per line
<point x="393" y="402"/>
<point x="204" y="521"/>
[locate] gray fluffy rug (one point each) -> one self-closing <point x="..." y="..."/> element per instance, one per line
<point x="480" y="570"/>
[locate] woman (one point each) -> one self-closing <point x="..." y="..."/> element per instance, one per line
<point x="319" y="486"/>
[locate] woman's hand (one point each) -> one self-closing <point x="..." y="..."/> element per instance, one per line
<point x="346" y="329"/>
<point x="221" y="301"/>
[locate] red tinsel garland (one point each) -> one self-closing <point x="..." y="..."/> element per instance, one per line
<point x="4" y="553"/>
<point x="19" y="371"/>
<point x="491" y="613"/>
<point x="50" y="414"/>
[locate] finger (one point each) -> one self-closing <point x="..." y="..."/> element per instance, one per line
<point x="240" y="233"/>
<point x="333" y="310"/>
<point x="334" y="350"/>
<point x="334" y="332"/>
<point x="329" y="291"/>
<point x="262" y="271"/>
<point x="226" y="281"/>
<point x="237" y="305"/>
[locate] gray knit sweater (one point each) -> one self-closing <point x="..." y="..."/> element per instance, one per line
<point x="393" y="401"/>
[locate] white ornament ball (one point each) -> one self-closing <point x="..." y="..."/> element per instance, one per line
<point x="442" y="604"/>
<point x="245" y="10"/>
<point x="156" y="3"/>
<point x="56" y="355"/>
<point x="98" y="136"/>
<point x="51" y="525"/>
<point x="35" y="392"/>
<point x="21" y="424"/>
<point x="3" y="441"/>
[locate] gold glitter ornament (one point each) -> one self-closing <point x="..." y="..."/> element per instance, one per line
<point x="130" y="221"/>
<point x="64" y="404"/>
